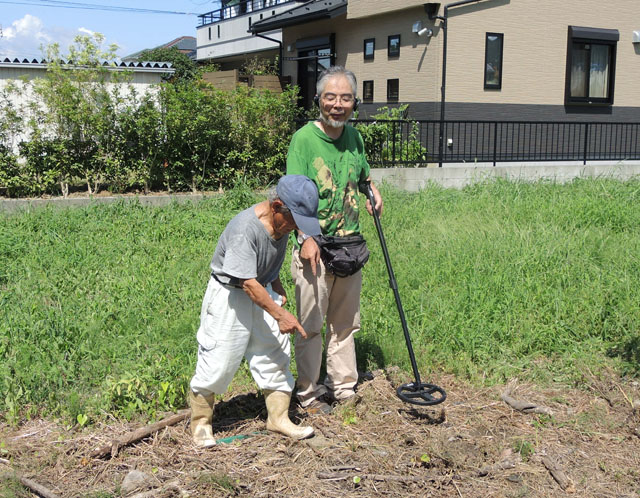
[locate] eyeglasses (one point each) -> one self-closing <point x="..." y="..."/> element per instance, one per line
<point x="332" y="98"/>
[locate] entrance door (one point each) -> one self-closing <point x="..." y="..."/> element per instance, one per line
<point x="310" y="64"/>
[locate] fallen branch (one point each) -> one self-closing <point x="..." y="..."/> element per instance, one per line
<point x="141" y="433"/>
<point x="38" y="489"/>
<point x="557" y="473"/>
<point x="336" y="476"/>
<point x="486" y="470"/>
<point x="524" y="406"/>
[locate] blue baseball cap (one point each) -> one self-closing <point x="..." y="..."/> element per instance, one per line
<point x="300" y="195"/>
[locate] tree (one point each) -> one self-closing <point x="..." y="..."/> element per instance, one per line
<point x="81" y="98"/>
<point x="185" y="68"/>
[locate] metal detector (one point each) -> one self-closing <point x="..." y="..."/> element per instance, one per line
<point x="415" y="392"/>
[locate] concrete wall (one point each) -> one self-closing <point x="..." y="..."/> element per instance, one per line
<point x="410" y="179"/>
<point x="458" y="176"/>
<point x="22" y="77"/>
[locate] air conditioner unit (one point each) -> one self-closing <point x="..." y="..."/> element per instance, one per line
<point x="635" y="37"/>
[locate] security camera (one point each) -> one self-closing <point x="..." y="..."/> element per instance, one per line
<point x="426" y="31"/>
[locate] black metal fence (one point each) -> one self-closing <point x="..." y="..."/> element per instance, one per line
<point x="231" y="9"/>
<point x="416" y="143"/>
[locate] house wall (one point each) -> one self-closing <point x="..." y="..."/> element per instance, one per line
<point x="367" y="8"/>
<point x="534" y="57"/>
<point x="140" y="81"/>
<point x="234" y="37"/>
<point x="413" y="62"/>
<point x="234" y="40"/>
<point x="535" y="48"/>
<point x="21" y="75"/>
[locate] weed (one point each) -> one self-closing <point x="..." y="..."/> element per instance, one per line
<point x="11" y="487"/>
<point x="525" y="448"/>
<point x="348" y="415"/>
<point x="543" y="420"/>
<point x="221" y="481"/>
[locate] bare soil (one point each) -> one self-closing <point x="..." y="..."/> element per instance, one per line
<point x="472" y="445"/>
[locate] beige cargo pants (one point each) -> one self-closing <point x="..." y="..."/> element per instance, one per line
<point x="336" y="299"/>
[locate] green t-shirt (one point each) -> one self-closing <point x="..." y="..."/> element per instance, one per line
<point x="336" y="167"/>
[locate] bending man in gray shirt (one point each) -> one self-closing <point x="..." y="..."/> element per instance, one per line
<point x="242" y="312"/>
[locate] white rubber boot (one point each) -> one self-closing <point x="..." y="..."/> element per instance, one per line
<point x="201" y="415"/>
<point x="278" y="420"/>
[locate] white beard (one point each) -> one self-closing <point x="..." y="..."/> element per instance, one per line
<point x="332" y="122"/>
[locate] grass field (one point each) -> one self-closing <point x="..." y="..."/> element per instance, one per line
<point x="99" y="306"/>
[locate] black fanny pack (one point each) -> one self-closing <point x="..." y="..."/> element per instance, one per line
<point x="343" y="256"/>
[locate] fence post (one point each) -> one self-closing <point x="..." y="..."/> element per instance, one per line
<point x="495" y="141"/>
<point x="393" y="145"/>
<point x="586" y="143"/>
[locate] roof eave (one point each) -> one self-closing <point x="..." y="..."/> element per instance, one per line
<point x="265" y="25"/>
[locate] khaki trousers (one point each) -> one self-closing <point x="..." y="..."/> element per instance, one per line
<point x="336" y="299"/>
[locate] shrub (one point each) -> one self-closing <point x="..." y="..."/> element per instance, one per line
<point x="385" y="141"/>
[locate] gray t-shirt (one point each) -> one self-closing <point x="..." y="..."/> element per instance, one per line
<point x="246" y="250"/>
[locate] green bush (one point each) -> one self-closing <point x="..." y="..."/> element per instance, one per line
<point x="385" y="141"/>
<point x="262" y="123"/>
<point x="183" y="135"/>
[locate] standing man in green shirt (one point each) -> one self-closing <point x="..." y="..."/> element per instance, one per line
<point x="331" y="153"/>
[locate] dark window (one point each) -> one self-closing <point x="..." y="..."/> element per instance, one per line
<point x="367" y="91"/>
<point x="218" y="31"/>
<point x="393" y="49"/>
<point x="209" y="32"/>
<point x="393" y="90"/>
<point x="591" y="61"/>
<point x="493" y="60"/>
<point x="369" y="48"/>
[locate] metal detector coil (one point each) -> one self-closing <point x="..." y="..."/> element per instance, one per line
<point x="415" y="392"/>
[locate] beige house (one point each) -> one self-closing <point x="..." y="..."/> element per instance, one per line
<point x="538" y="60"/>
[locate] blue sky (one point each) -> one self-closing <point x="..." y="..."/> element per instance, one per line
<point x="28" y="24"/>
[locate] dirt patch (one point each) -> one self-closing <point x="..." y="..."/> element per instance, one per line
<point x="473" y="445"/>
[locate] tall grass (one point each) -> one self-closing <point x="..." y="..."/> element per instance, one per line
<point x="99" y="306"/>
<point x="504" y="279"/>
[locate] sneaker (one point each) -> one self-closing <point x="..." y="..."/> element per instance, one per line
<point x="318" y="407"/>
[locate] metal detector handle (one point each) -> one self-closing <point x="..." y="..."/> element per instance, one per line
<point x="365" y="188"/>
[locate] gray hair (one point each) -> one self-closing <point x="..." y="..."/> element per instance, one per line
<point x="333" y="71"/>
<point x="272" y="196"/>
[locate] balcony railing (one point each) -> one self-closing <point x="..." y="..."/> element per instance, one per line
<point x="416" y="143"/>
<point x="239" y="8"/>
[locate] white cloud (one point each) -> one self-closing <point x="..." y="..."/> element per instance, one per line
<point x="25" y="37"/>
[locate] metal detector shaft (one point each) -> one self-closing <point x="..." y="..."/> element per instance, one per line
<point x="392" y="280"/>
<point x="417" y="393"/>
